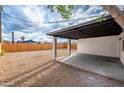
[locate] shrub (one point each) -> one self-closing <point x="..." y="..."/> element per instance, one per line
<point x="3" y="53"/>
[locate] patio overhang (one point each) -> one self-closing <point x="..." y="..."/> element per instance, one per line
<point x="89" y="29"/>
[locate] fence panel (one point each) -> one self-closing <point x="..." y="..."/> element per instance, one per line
<point x="32" y="47"/>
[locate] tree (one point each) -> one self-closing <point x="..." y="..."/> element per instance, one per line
<point x="66" y="12"/>
<point x="23" y="38"/>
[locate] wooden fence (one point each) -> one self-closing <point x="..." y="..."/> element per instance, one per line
<point x="31" y="47"/>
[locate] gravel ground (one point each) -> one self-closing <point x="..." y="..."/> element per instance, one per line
<point x="35" y="69"/>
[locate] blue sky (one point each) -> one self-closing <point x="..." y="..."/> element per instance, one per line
<point x="30" y="21"/>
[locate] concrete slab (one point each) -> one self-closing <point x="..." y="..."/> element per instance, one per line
<point x="106" y="66"/>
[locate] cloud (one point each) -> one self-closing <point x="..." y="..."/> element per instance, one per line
<point x="3" y="26"/>
<point x="121" y="7"/>
<point x="33" y="13"/>
<point x="6" y="36"/>
<point x="30" y="21"/>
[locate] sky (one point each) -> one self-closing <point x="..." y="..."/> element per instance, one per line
<point x="34" y="22"/>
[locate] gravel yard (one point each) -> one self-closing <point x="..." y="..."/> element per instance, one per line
<point x="35" y="69"/>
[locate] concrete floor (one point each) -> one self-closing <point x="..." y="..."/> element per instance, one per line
<point x="106" y="66"/>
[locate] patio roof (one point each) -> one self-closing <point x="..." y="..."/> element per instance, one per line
<point x="89" y="29"/>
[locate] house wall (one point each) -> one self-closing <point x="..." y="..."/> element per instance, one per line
<point x="121" y="51"/>
<point x="105" y="46"/>
<point x="122" y="57"/>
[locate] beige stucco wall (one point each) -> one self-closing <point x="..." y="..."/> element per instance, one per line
<point x="105" y="46"/>
<point x="122" y="57"/>
<point x="122" y="51"/>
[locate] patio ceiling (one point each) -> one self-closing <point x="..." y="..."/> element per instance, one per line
<point x="89" y="29"/>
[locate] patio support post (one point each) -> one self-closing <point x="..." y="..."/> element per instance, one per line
<point x="0" y="33"/>
<point x="69" y="47"/>
<point x="54" y="48"/>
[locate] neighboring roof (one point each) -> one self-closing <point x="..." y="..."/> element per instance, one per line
<point x="27" y="41"/>
<point x="89" y="29"/>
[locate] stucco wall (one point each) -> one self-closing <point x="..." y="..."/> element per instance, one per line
<point x="122" y="57"/>
<point x="122" y="51"/>
<point x="105" y="46"/>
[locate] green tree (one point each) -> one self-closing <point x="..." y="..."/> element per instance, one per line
<point x="64" y="10"/>
<point x="23" y="38"/>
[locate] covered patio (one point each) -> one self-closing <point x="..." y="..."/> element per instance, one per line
<point x="89" y="29"/>
<point x="104" y="65"/>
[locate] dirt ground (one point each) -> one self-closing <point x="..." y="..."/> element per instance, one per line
<point x="35" y="69"/>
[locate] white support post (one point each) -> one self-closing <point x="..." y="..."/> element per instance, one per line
<point x="54" y="48"/>
<point x="69" y="47"/>
<point x="0" y="32"/>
